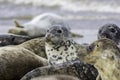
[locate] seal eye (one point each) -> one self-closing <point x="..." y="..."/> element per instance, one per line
<point x="112" y="30"/>
<point x="59" y="31"/>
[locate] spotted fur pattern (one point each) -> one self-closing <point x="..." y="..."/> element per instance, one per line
<point x="64" y="52"/>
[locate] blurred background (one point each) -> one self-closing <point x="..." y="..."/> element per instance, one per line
<point x="84" y="16"/>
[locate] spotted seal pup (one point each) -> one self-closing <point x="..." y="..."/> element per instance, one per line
<point x="105" y="56"/>
<point x="38" y="25"/>
<point x="59" y="48"/>
<point x="111" y="31"/>
<point x="62" y="57"/>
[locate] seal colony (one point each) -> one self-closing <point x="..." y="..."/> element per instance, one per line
<point x="105" y="56"/>
<point x="58" y="52"/>
<point x="17" y="60"/>
<point x="38" y="25"/>
<point x="62" y="57"/>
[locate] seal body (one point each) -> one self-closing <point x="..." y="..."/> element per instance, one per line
<point x="56" y="77"/>
<point x="16" y="61"/>
<point x="75" y="68"/>
<point x="38" y="26"/>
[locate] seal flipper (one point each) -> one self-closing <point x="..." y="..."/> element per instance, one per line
<point x="17" y="24"/>
<point x="76" y="35"/>
<point x="17" y="31"/>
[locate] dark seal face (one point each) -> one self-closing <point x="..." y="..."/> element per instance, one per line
<point x="56" y="34"/>
<point x="110" y="31"/>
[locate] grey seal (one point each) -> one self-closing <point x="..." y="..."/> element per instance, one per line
<point x="111" y="31"/>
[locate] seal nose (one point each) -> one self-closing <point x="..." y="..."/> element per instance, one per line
<point x="49" y="36"/>
<point x="90" y="47"/>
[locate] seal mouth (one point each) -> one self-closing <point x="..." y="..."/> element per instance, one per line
<point x="52" y="39"/>
<point x="90" y="59"/>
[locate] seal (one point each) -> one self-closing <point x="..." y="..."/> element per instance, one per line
<point x="111" y="31"/>
<point x="56" y="77"/>
<point x="37" y="26"/>
<point x="62" y="56"/>
<point x="12" y="39"/>
<point x="59" y="48"/>
<point x="105" y="56"/>
<point x="17" y="60"/>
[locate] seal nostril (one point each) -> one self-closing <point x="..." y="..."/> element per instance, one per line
<point x="112" y="30"/>
<point x="59" y="31"/>
<point x="90" y="47"/>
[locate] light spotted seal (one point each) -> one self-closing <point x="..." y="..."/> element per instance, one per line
<point x="111" y="31"/>
<point x="59" y="48"/>
<point x="105" y="56"/>
<point x="37" y="26"/>
<point x="62" y="57"/>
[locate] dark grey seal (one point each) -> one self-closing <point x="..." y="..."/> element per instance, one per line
<point x="111" y="31"/>
<point x="12" y="39"/>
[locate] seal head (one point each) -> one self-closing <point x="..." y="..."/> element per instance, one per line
<point x="110" y="31"/>
<point x="104" y="55"/>
<point x="56" y="34"/>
